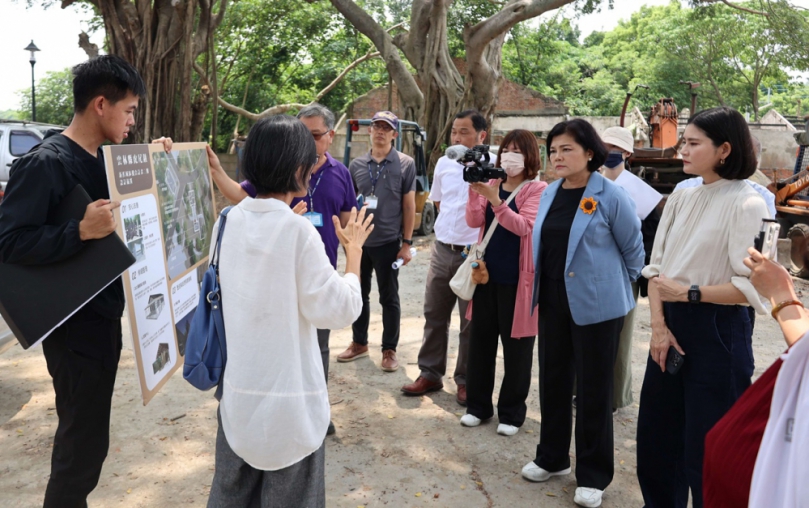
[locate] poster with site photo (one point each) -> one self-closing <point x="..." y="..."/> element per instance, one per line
<point x="166" y="219"/>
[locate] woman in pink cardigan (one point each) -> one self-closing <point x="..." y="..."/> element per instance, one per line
<point x="502" y="307"/>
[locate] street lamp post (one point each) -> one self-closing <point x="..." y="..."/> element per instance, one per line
<point x="33" y="49"/>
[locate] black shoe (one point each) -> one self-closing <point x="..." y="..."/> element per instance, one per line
<point x="331" y="430"/>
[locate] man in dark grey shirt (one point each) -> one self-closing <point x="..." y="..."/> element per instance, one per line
<point x="386" y="179"/>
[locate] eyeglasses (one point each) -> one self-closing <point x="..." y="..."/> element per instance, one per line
<point x="318" y="135"/>
<point x="382" y="127"/>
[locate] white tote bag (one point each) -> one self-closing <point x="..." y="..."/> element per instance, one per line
<point x="461" y="283"/>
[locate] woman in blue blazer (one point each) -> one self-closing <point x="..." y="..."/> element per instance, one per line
<point x="588" y="248"/>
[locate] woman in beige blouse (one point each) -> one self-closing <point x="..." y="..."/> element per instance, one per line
<point x="698" y="293"/>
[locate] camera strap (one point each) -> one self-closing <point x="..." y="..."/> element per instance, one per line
<point x="481" y="248"/>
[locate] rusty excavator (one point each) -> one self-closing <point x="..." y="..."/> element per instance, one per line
<point x="792" y="206"/>
<point x="659" y="164"/>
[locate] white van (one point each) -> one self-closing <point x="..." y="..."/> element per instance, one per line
<point x="16" y="139"/>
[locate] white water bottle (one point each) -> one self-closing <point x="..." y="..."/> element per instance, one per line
<point x="399" y="262"/>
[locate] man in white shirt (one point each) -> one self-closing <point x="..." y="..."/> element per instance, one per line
<point x="449" y="193"/>
<point x="768" y="196"/>
<point x="621" y="144"/>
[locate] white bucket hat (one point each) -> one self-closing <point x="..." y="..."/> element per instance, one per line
<point x="620" y="137"/>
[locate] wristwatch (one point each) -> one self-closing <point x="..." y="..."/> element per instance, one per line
<point x="408" y="242"/>
<point x="694" y="294"/>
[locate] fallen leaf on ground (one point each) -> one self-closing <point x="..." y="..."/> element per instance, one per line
<point x="418" y="494"/>
<point x="551" y="494"/>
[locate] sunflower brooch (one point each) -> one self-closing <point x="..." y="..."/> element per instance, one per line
<point x="588" y="205"/>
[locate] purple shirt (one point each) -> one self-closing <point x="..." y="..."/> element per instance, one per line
<point x="331" y="191"/>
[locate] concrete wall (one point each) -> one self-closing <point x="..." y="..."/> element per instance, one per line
<point x="778" y="150"/>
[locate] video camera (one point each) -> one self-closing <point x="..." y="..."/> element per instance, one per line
<point x="476" y="162"/>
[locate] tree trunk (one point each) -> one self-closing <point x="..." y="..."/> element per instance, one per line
<point x="438" y="91"/>
<point x="162" y="39"/>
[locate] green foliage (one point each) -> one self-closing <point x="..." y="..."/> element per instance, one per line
<point x="286" y="51"/>
<point x="730" y="52"/>
<point x="54" y="98"/>
<point x="10" y="114"/>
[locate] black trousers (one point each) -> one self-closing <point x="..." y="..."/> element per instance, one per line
<point x="83" y="387"/>
<point x="379" y="260"/>
<point x="492" y="317"/>
<point x="677" y="411"/>
<point x="587" y="353"/>
<point x="323" y="342"/>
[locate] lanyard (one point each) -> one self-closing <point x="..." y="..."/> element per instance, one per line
<point x="313" y="189"/>
<point x="371" y="175"/>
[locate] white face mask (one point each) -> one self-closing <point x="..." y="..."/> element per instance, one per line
<point x="513" y="163"/>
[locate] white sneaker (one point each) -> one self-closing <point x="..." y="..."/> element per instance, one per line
<point x="469" y="420"/>
<point x="588" y="496"/>
<point x="505" y="429"/>
<point x="534" y="473"/>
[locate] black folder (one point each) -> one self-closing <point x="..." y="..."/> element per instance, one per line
<point x="36" y="299"/>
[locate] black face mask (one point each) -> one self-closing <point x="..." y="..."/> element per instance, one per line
<point x="614" y="159"/>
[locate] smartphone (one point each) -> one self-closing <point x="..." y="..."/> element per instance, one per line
<point x="674" y="360"/>
<point x="767" y="240"/>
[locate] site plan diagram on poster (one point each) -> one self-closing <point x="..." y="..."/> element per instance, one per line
<point x="166" y="219"/>
<point x="186" y="205"/>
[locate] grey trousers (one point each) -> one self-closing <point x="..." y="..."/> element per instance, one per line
<point x="622" y="374"/>
<point x="439" y="302"/>
<point x="236" y="484"/>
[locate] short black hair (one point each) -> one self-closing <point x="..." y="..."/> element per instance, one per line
<point x="478" y="121"/>
<point x="276" y="148"/>
<point x="726" y="125"/>
<point x="585" y="135"/>
<point x="109" y="76"/>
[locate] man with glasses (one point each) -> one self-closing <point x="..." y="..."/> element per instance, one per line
<point x="331" y="192"/>
<point x="386" y="181"/>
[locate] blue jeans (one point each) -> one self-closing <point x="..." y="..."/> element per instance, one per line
<point x="677" y="411"/>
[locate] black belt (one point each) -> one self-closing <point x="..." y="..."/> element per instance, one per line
<point x="458" y="248"/>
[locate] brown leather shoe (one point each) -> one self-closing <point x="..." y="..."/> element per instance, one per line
<point x="461" y="397"/>
<point x="353" y="352"/>
<point x="389" y="362"/>
<point x="421" y="386"/>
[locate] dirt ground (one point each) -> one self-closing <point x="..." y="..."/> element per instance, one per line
<point x="389" y="450"/>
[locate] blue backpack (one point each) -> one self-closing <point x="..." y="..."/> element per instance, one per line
<point x="206" y="348"/>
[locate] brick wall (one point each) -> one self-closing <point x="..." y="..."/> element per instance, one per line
<point x="513" y="100"/>
<point x="376" y="100"/>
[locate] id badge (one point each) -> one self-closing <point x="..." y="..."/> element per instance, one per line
<point x="371" y="201"/>
<point x="315" y="218"/>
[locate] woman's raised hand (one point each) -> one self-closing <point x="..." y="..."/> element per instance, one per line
<point x="301" y="208"/>
<point x="357" y="229"/>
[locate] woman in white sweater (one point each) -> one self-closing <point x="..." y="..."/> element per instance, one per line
<point x="699" y="291"/>
<point x="278" y="287"/>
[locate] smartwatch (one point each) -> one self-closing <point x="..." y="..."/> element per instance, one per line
<point x="694" y="294"/>
<point x="408" y="242"/>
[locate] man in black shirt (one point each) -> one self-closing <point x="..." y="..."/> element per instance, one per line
<point x="82" y="354"/>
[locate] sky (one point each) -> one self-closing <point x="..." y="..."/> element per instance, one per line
<point x="56" y="31"/>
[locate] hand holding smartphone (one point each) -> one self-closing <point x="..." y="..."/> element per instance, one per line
<point x="674" y="360"/>
<point x="767" y="240"/>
